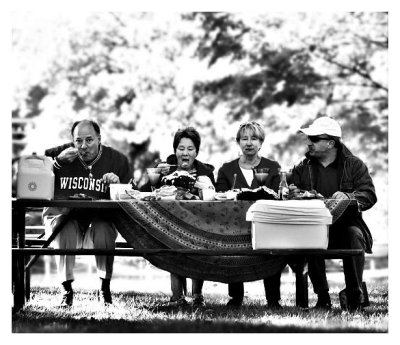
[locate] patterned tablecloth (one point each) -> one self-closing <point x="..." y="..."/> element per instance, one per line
<point x="199" y="225"/>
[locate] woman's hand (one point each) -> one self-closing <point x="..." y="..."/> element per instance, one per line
<point x="165" y="168"/>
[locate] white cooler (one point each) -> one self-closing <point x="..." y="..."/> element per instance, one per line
<point x="35" y="178"/>
<point x="289" y="224"/>
<point x="289" y="236"/>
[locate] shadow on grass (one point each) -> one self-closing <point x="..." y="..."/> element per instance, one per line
<point x="169" y="326"/>
<point x="149" y="313"/>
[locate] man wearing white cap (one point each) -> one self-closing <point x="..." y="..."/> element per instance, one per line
<point x="333" y="171"/>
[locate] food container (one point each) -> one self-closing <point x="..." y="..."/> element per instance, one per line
<point x="118" y="190"/>
<point x="224" y="196"/>
<point x="289" y="236"/>
<point x="289" y="224"/>
<point x="207" y="194"/>
<point x="35" y="178"/>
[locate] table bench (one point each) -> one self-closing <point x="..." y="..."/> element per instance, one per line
<point x="23" y="249"/>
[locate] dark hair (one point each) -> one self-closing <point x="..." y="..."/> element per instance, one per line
<point x="336" y="140"/>
<point x="189" y="133"/>
<point x="95" y="126"/>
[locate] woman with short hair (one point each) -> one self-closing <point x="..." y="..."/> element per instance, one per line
<point x="186" y="146"/>
<point x="250" y="137"/>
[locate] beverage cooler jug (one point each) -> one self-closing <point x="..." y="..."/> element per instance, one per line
<point x="35" y="178"/>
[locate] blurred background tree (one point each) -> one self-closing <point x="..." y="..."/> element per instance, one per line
<point x="144" y="75"/>
<point x="293" y="68"/>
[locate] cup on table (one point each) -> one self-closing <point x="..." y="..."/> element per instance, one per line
<point x="208" y="194"/>
<point x="154" y="176"/>
<point x="118" y="188"/>
<point x="261" y="175"/>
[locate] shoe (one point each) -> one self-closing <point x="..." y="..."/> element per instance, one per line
<point x="355" y="301"/>
<point x="274" y="305"/>
<point x="326" y="305"/>
<point x="67" y="299"/>
<point x="234" y="303"/>
<point x="354" y="308"/>
<point x="323" y="302"/>
<point x="105" y="296"/>
<point x="180" y="302"/>
<point x="198" y="302"/>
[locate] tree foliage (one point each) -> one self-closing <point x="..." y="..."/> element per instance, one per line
<point x="144" y="75"/>
<point x="306" y="64"/>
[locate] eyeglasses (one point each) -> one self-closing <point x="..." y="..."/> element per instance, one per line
<point x="315" y="139"/>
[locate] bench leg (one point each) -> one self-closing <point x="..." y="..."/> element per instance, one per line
<point x="27" y="281"/>
<point x="301" y="286"/>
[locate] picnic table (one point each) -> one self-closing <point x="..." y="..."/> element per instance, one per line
<point x="208" y="240"/>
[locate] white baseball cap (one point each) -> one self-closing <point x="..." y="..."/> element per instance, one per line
<point x="323" y="125"/>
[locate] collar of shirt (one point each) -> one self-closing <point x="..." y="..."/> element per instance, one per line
<point x="334" y="164"/>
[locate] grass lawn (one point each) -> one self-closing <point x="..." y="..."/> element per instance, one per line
<point x="139" y="305"/>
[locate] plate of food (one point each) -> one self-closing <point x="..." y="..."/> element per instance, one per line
<point x="167" y="192"/>
<point x="129" y="194"/>
<point x="179" y="178"/>
<point x="260" y="193"/>
<point x="133" y="194"/>
<point x="305" y="195"/>
<point x="224" y="196"/>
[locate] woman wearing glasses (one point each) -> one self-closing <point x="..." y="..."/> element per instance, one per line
<point x="239" y="174"/>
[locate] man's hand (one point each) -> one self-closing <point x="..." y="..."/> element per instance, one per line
<point x="110" y="178"/>
<point x="293" y="191"/>
<point x="68" y="155"/>
<point x="340" y="196"/>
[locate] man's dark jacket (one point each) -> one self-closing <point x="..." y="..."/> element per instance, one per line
<point x="353" y="180"/>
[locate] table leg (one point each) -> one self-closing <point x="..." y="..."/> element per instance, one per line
<point x="18" y="261"/>
<point x="18" y="282"/>
<point x="27" y="281"/>
<point x="53" y="235"/>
